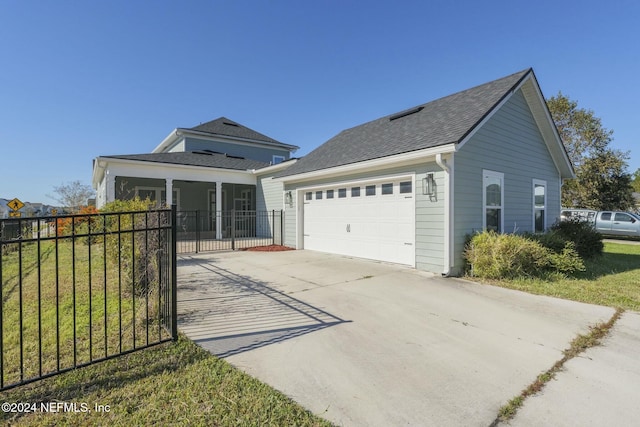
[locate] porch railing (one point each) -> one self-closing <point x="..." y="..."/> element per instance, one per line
<point x="200" y="231"/>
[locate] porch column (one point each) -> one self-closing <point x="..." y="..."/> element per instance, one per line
<point x="218" y="209"/>
<point x="110" y="195"/>
<point x="169" y="191"/>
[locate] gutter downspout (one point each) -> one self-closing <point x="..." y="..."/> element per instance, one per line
<point x="447" y="167"/>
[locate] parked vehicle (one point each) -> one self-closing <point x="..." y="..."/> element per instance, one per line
<point x="606" y="222"/>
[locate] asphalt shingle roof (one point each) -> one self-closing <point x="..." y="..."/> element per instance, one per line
<point x="227" y="127"/>
<point x="443" y="121"/>
<point x="212" y="160"/>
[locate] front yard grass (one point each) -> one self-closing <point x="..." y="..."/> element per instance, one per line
<point x="171" y="384"/>
<point x="611" y="280"/>
<point x="176" y="383"/>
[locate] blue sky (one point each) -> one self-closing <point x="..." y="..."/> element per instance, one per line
<point x="80" y="79"/>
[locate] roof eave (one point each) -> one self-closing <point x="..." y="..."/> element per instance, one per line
<point x="108" y="160"/>
<point x="412" y="157"/>
<point x="184" y="131"/>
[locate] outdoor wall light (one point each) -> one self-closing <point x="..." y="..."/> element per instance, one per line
<point x="428" y="185"/>
<point x="288" y="198"/>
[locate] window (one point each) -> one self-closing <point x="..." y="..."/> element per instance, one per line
<point x="277" y="159"/>
<point x="623" y="217"/>
<point x="370" y="190"/>
<point x="406" y="187"/>
<point x="329" y="194"/>
<point x="318" y="195"/>
<point x="342" y="192"/>
<point x="492" y="197"/>
<point x="308" y="195"/>
<point x="539" y="205"/>
<point x="355" y="191"/>
<point x="606" y="216"/>
<point x="387" y="188"/>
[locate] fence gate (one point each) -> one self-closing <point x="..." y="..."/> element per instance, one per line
<point x="81" y="289"/>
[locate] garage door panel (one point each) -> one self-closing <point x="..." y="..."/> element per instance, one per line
<point x="380" y="227"/>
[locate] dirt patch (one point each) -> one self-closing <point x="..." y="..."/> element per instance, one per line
<point x="269" y="248"/>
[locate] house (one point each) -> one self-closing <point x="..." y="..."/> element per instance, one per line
<point x="410" y="187"/>
<point x="406" y="188"/>
<point x="208" y="168"/>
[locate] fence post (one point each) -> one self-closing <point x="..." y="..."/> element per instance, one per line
<point x="273" y="227"/>
<point x="282" y="227"/>
<point x="233" y="229"/>
<point x="173" y="280"/>
<point x="197" y="231"/>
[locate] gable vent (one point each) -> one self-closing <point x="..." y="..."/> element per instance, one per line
<point x="405" y="113"/>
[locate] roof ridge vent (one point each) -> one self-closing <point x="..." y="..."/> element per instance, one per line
<point x="406" y="113"/>
<point x="202" y="152"/>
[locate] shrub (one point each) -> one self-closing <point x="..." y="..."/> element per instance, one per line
<point x="497" y="256"/>
<point x="132" y="248"/>
<point x="568" y="260"/>
<point x="505" y="256"/>
<point x="551" y="240"/>
<point x="587" y="241"/>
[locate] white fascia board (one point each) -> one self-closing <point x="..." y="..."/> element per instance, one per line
<point x="413" y="157"/>
<point x="169" y="141"/>
<point x="141" y="169"/>
<point x="99" y="165"/>
<point x="548" y="129"/>
<point x="274" y="168"/>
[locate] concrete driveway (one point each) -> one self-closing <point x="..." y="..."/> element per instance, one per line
<point x="364" y="343"/>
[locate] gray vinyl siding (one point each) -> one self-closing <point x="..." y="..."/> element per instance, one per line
<point x="429" y="212"/>
<point x="253" y="152"/>
<point x="509" y="143"/>
<point x="269" y="193"/>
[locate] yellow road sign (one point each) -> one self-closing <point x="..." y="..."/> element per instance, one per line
<point x="54" y="211"/>
<point x="15" y="214"/>
<point x="15" y="204"/>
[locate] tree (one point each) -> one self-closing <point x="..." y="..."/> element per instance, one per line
<point x="635" y="183"/>
<point x="73" y="195"/>
<point x="602" y="182"/>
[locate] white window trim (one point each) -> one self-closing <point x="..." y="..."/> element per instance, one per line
<point x="540" y="182"/>
<point x="486" y="174"/>
<point x="274" y="157"/>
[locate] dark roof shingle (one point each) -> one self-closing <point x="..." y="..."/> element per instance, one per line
<point x="211" y="160"/>
<point x="227" y="127"/>
<point x="443" y="121"/>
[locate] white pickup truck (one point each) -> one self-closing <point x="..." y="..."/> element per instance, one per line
<point x="606" y="222"/>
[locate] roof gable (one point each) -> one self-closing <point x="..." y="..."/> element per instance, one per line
<point x="441" y="122"/>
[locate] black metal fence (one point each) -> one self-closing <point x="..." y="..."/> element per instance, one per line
<point x="200" y="231"/>
<point x="80" y="289"/>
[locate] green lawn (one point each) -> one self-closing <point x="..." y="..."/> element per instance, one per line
<point x="175" y="383"/>
<point x="612" y="280"/>
<point x="172" y="384"/>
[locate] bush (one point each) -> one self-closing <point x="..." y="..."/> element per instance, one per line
<point x="497" y="256"/>
<point x="506" y="256"/>
<point x="551" y="240"/>
<point x="134" y="249"/>
<point x="587" y="241"/>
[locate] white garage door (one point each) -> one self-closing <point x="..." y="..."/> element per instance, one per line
<point x="373" y="220"/>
